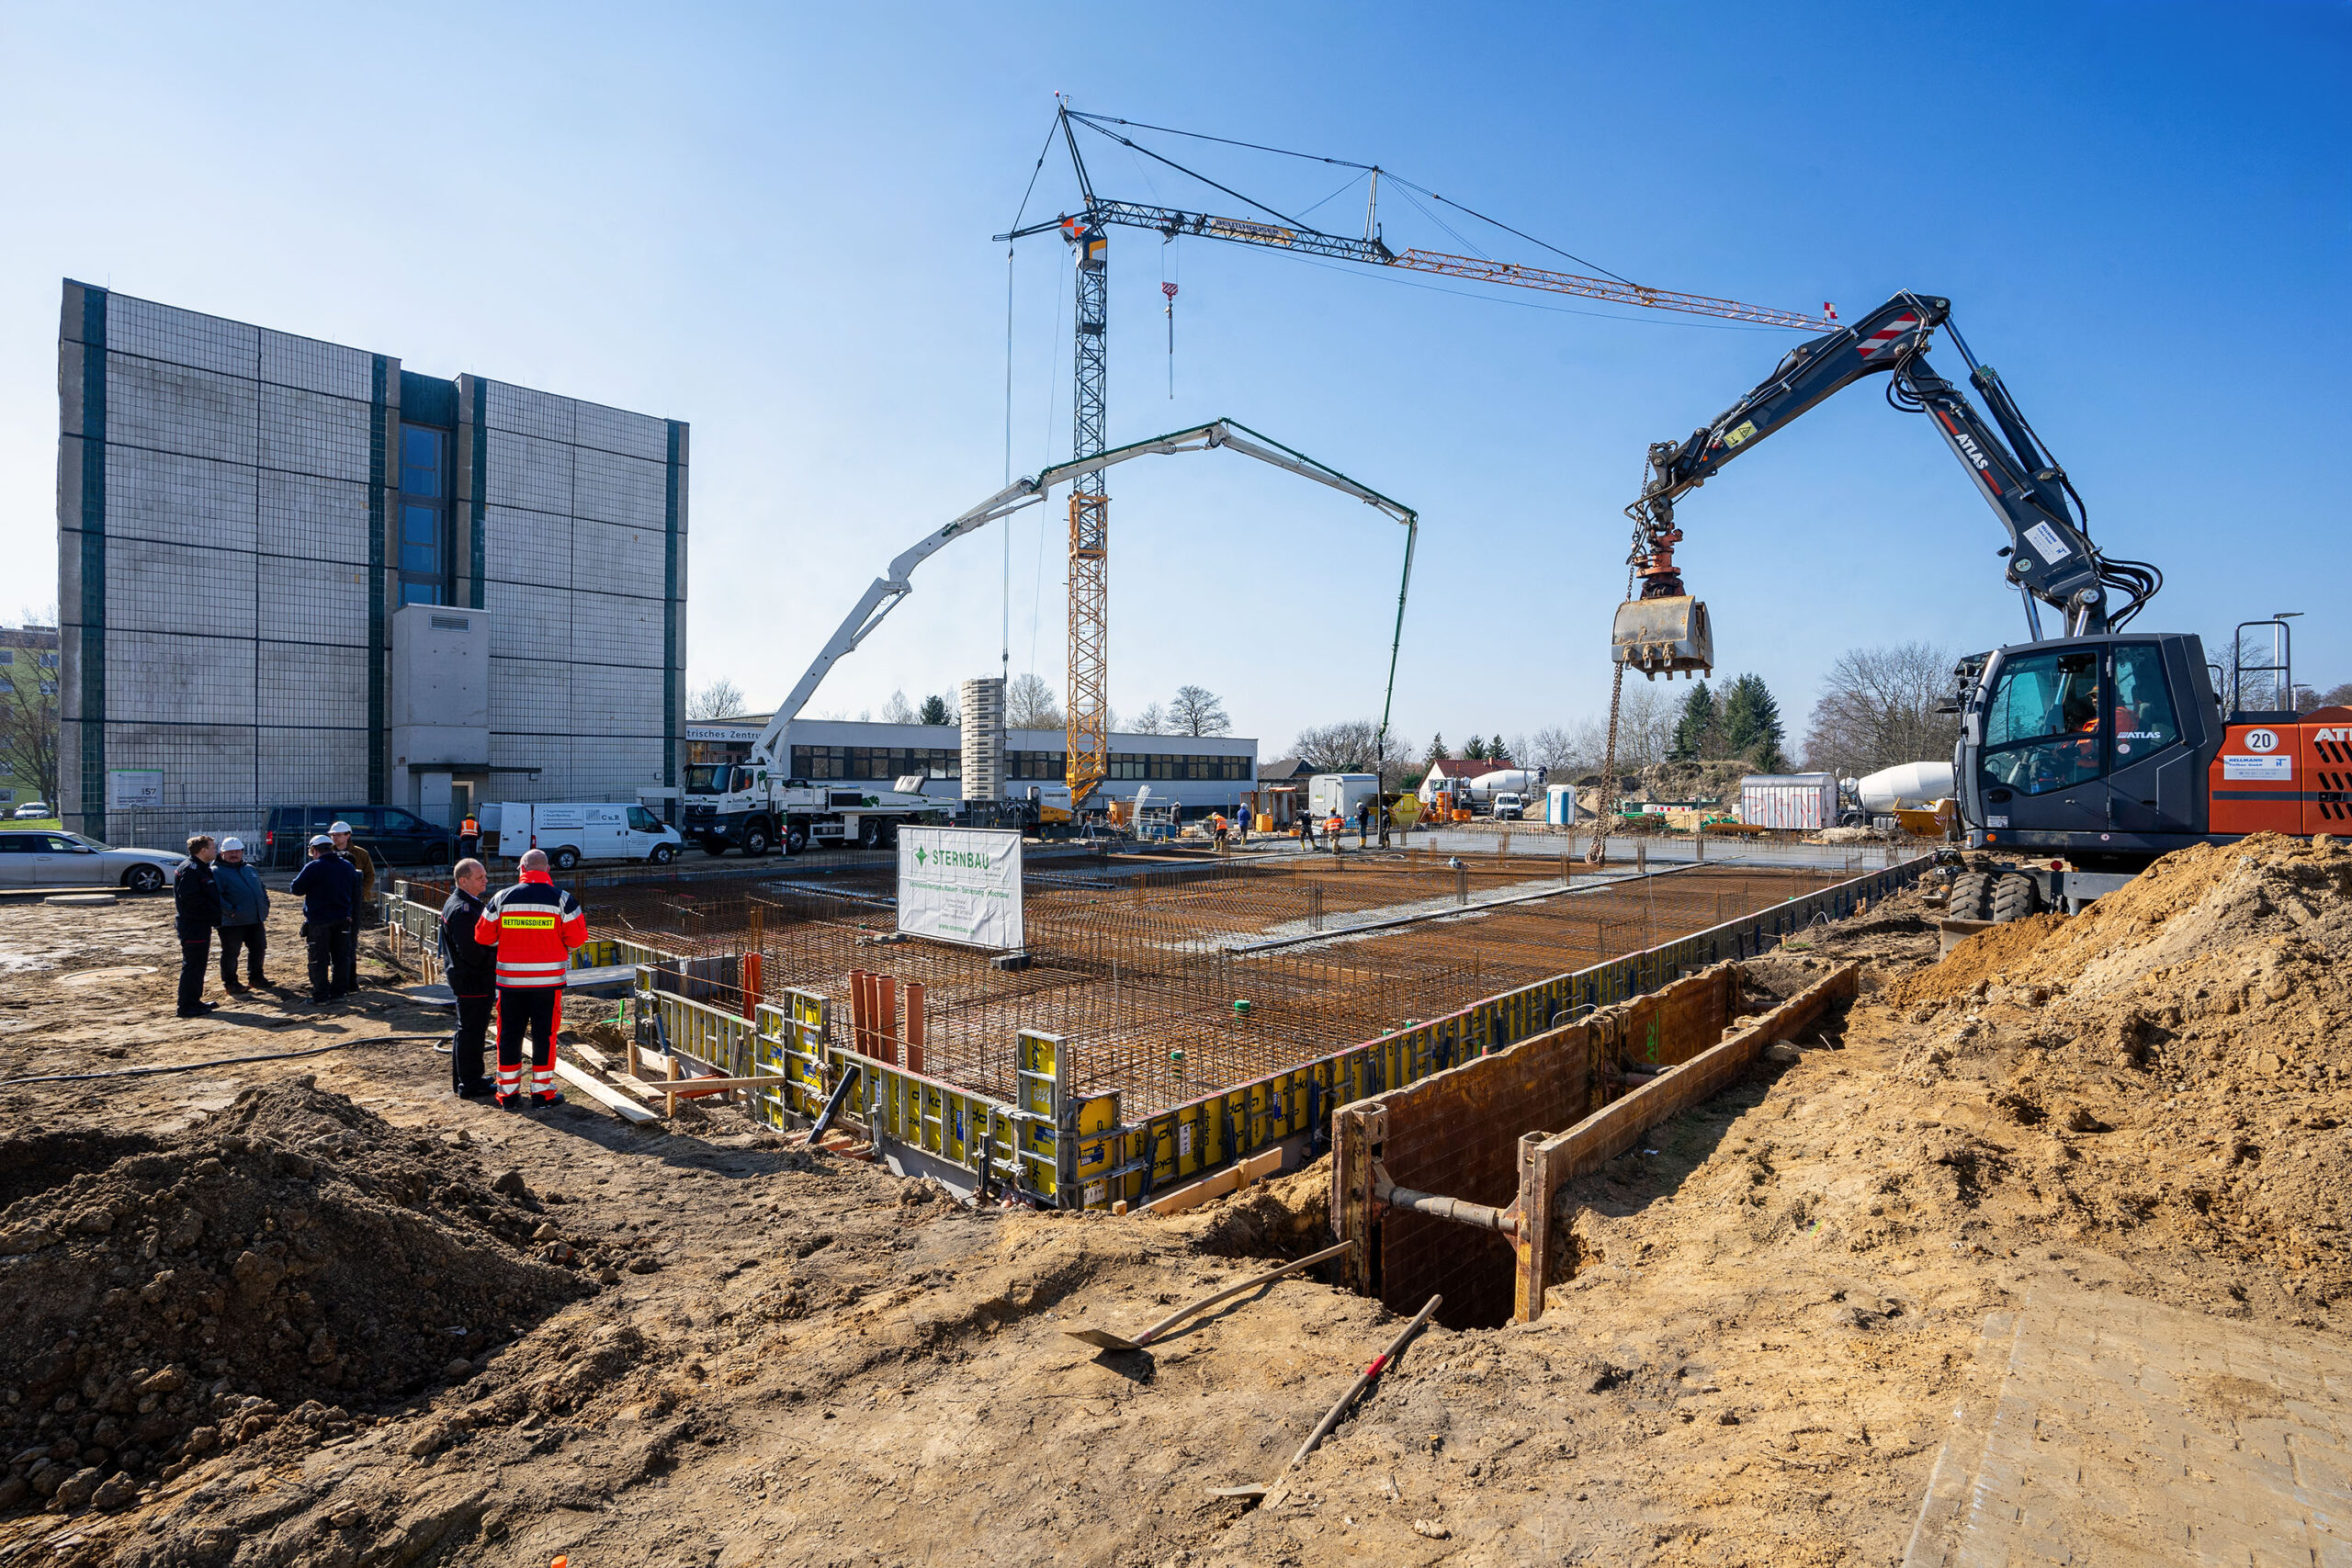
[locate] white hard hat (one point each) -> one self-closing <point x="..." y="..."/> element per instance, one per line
<point x="319" y="841"/>
<point x="339" y="828"/>
<point x="236" y="844"/>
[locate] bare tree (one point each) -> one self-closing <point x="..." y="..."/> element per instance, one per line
<point x="1352" y="746"/>
<point x="1553" y="749"/>
<point x="1196" y="710"/>
<point x="898" y="710"/>
<point x="2339" y="696"/>
<point x="1152" y="721"/>
<point x="1877" y="707"/>
<point x="1030" y="704"/>
<point x="721" y="699"/>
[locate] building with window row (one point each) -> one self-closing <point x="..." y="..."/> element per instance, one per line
<point x="292" y="571"/>
<point x="1193" y="770"/>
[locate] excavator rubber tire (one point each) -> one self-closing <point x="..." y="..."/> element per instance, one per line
<point x="1972" y="898"/>
<point x="2015" y="896"/>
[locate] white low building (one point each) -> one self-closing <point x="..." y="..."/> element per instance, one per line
<point x="1196" y="772"/>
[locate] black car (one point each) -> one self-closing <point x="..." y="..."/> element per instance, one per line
<point x="389" y="835"/>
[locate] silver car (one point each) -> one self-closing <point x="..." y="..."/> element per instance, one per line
<point x="50" y="858"/>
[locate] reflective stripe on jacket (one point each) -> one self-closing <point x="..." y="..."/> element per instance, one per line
<point x="534" y="925"/>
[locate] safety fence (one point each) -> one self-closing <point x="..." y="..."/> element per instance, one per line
<point x="1059" y="1144"/>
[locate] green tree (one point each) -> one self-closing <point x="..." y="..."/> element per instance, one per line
<point x="1437" y="752"/>
<point x="935" y="711"/>
<point x="1498" y="749"/>
<point x="1751" y="723"/>
<point x="1477" y="751"/>
<point x="1696" y="730"/>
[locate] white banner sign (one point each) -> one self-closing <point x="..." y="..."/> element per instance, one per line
<point x="127" y="789"/>
<point x="960" y="885"/>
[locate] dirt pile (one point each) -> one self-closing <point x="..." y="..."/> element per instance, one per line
<point x="1288" y="1216"/>
<point x="2188" y="1039"/>
<point x="282" y="1262"/>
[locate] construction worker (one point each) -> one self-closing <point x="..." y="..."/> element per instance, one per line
<point x="470" y="970"/>
<point x="329" y="886"/>
<point x="1306" y="829"/>
<point x="1217" y="830"/>
<point x="1364" y="824"/>
<point x="363" y="912"/>
<point x="196" y="910"/>
<point x="469" y="838"/>
<point x="244" y="914"/>
<point x="535" y="925"/>
<point x="1333" y="826"/>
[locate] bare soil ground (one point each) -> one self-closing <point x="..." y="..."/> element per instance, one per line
<point x="695" y="1343"/>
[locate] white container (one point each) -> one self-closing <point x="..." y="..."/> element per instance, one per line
<point x="1341" y="793"/>
<point x="1560" y="805"/>
<point x="1906" y="786"/>
<point x="1799" y="802"/>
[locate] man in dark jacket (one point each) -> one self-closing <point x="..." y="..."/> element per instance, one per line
<point x="329" y="886"/>
<point x="471" y="969"/>
<point x="245" y="911"/>
<point x="196" y="910"/>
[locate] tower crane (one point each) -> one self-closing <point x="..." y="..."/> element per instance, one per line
<point x="1087" y="739"/>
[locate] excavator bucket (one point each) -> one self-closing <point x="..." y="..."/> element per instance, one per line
<point x="1664" y="636"/>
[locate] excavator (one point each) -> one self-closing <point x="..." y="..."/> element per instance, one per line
<point x="2087" y="751"/>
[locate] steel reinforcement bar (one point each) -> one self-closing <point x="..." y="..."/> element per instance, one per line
<point x="1063" y="1149"/>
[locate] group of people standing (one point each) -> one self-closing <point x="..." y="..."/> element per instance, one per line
<point x="217" y="890"/>
<point x="507" y="953"/>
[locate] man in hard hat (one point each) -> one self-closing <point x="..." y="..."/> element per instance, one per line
<point x="244" y="914"/>
<point x="364" y="913"/>
<point x="1333" y="826"/>
<point x="535" y="926"/>
<point x="329" y="886"/>
<point x="470" y="837"/>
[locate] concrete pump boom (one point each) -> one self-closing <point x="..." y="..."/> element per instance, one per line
<point x="884" y="594"/>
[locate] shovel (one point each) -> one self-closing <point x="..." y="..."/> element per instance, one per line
<point x="1260" y="1491"/>
<point x="1103" y="1338"/>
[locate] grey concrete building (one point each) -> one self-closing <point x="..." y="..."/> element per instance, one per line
<point x="294" y="572"/>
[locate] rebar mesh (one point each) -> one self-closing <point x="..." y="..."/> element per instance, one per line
<point x="1170" y="980"/>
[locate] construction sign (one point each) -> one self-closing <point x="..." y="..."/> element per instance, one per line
<point x="960" y="885"/>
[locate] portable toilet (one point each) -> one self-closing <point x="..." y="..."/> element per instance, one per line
<point x="1560" y="805"/>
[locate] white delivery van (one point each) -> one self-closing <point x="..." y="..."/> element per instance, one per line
<point x="1508" y="806"/>
<point x="1341" y="792"/>
<point x="573" y="831"/>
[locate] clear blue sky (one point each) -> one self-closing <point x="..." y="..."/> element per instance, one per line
<point x="775" y="223"/>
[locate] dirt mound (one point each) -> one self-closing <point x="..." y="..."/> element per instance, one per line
<point x="2188" y="1041"/>
<point x="1289" y="1216"/>
<point x="284" y="1259"/>
<point x="1977" y="961"/>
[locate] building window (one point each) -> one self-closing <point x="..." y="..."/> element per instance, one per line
<point x="423" y="544"/>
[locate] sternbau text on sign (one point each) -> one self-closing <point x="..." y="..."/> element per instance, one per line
<point x="961" y="885"/>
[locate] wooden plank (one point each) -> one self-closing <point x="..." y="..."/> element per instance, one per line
<point x="601" y="1093"/>
<point x="593" y="1057"/>
<point x="1232" y="1179"/>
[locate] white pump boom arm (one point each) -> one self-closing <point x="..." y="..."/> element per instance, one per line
<point x="883" y="595"/>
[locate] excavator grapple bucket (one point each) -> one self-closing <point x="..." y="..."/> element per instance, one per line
<point x="1664" y="636"/>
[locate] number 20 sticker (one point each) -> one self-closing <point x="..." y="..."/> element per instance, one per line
<point x="2262" y="741"/>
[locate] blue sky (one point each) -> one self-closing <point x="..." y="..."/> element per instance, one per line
<point x="774" y="223"/>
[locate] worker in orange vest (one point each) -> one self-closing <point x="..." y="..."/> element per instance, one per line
<point x="1217" y="830"/>
<point x="469" y="838"/>
<point x="1333" y="826"/>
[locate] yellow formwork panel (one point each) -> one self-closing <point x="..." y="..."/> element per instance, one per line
<point x="1044" y="1077"/>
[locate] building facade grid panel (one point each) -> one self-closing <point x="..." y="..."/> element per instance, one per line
<point x="613" y="489"/>
<point x="314" y="519"/>
<point x="523" y="412"/>
<point x="306" y="684"/>
<point x="308" y="433"/>
<point x="180" y="499"/>
<point x="173" y="408"/>
<point x="616" y="430"/>
<point x="315" y="601"/>
<point x="180" y="588"/>
<point x="315" y="366"/>
<point x="609" y="630"/>
<point x="182" y="337"/>
<point x="527" y="472"/>
<point x="182" y="679"/>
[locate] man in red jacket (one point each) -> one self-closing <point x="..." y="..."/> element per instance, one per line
<point x="534" y="925"/>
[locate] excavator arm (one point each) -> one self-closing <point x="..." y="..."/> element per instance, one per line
<point x="2051" y="558"/>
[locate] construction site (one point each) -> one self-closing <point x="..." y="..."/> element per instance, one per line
<point x="937" y="1148"/>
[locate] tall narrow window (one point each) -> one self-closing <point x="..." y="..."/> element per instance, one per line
<point x="423" y="544"/>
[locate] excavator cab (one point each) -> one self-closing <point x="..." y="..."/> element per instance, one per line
<point x="1664" y="636"/>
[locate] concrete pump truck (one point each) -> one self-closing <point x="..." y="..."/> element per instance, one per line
<point x="2083" y="756"/>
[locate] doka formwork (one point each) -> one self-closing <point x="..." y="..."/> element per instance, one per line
<point x="1053" y="1142"/>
